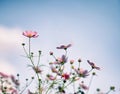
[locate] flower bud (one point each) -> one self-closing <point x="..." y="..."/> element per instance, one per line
<point x="79" y="60"/>
<point x="23" y="44"/>
<point x="93" y="73"/>
<point x="71" y="61"/>
<point x="51" y="53"/>
<point x="112" y="88"/>
<point x="72" y="67"/>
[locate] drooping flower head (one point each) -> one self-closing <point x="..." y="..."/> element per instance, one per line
<point x="93" y="65"/>
<point x="30" y="34"/>
<point x="64" y="46"/>
<point x="83" y="86"/>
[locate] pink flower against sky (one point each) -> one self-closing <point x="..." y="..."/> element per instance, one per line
<point x="83" y="86"/>
<point x="30" y="34"/>
<point x="81" y="72"/>
<point x="93" y="65"/>
<point x="63" y="59"/>
<point x="51" y="77"/>
<point x="3" y="75"/>
<point x="54" y="70"/>
<point x="64" y="46"/>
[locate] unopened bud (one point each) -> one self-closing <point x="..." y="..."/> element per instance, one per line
<point x="72" y="67"/>
<point x="71" y="61"/>
<point x="93" y="73"/>
<point x="112" y="88"/>
<point x="23" y="44"/>
<point x="79" y="60"/>
<point x="51" y="53"/>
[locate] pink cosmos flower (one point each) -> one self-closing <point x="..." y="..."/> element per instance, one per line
<point x="13" y="91"/>
<point x="15" y="81"/>
<point x="54" y="70"/>
<point x="81" y="72"/>
<point x="51" y="77"/>
<point x="63" y="59"/>
<point x="83" y="86"/>
<point x="64" y="46"/>
<point x="93" y="65"/>
<point x="4" y="75"/>
<point x="66" y="76"/>
<point x="37" y="69"/>
<point x="30" y="34"/>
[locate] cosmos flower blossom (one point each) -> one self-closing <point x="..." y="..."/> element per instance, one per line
<point x="37" y="69"/>
<point x="30" y="34"/>
<point x="83" y="86"/>
<point x="15" y="81"/>
<point x="50" y="77"/>
<point x="54" y="70"/>
<point x="4" y="75"/>
<point x="81" y="72"/>
<point x="63" y="59"/>
<point x="93" y="65"/>
<point x="64" y="46"/>
<point x="66" y="76"/>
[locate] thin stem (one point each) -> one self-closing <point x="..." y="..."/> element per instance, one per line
<point x="68" y="84"/>
<point x="54" y="57"/>
<point x="108" y="92"/>
<point x="27" y="85"/>
<point x="89" y="84"/>
<point x="29" y="47"/>
<point x="66" y="52"/>
<point x="25" y="51"/>
<point x="74" y="87"/>
<point x="50" y="87"/>
<point x="36" y="74"/>
<point x="39" y="58"/>
<point x="90" y="70"/>
<point x="79" y="65"/>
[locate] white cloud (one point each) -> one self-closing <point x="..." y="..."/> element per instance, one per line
<point x="10" y="38"/>
<point x="5" y="67"/>
<point x="10" y="41"/>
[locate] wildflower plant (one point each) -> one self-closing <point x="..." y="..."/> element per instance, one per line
<point x="58" y="80"/>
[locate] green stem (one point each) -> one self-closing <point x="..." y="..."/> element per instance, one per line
<point x="74" y="87"/>
<point x="49" y="87"/>
<point x="68" y="84"/>
<point x="34" y="66"/>
<point x="89" y="84"/>
<point x="90" y="70"/>
<point x="36" y="74"/>
<point x="25" y="51"/>
<point x="27" y="85"/>
<point x="65" y="52"/>
<point x="29" y="47"/>
<point x="39" y="58"/>
<point x="108" y="92"/>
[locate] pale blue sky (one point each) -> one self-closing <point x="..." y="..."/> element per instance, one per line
<point x="91" y="25"/>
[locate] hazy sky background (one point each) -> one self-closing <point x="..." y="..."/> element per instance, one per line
<point x="92" y="26"/>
